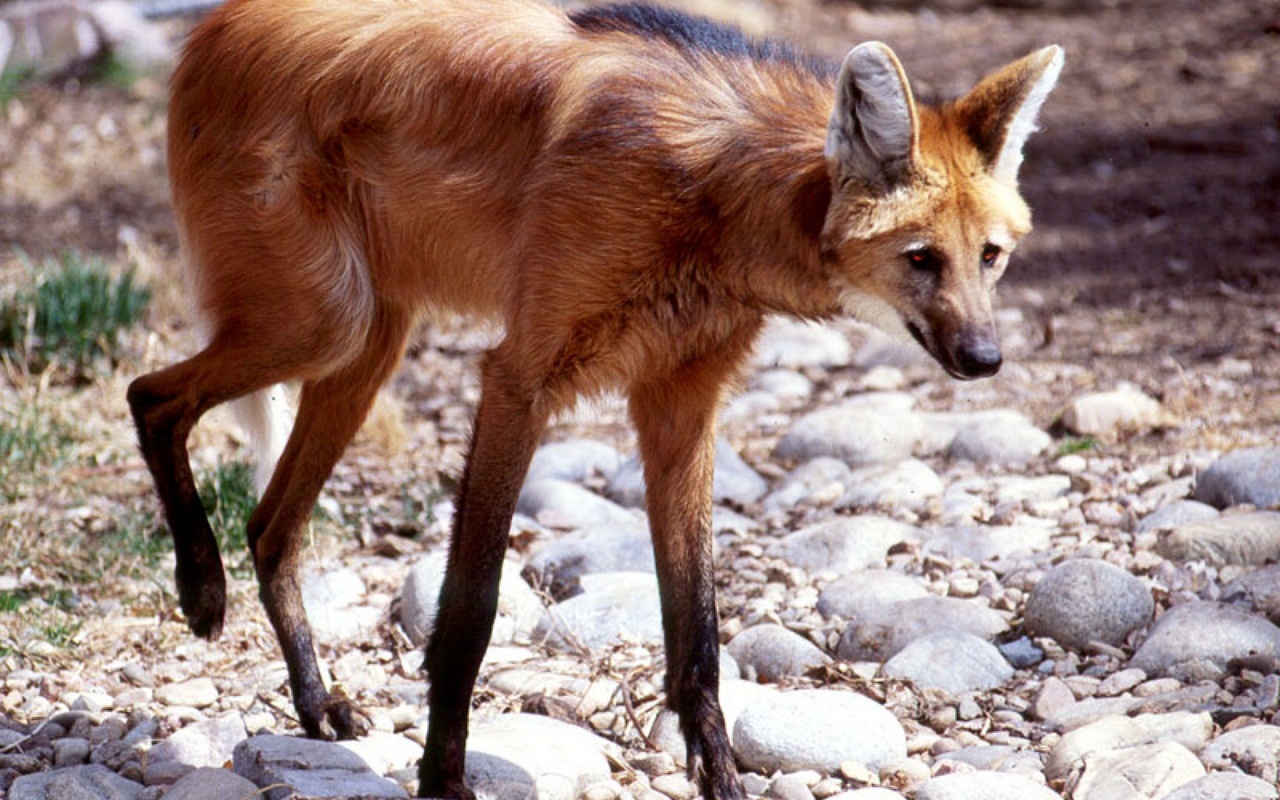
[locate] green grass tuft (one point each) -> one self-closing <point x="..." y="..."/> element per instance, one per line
<point x="72" y="315"/>
<point x="30" y="442"/>
<point x="229" y="499"/>
<point x="1072" y="445"/>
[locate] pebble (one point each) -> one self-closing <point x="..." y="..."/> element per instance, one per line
<point x="909" y="485"/>
<point x="951" y="661"/>
<point x="1225" y="786"/>
<point x="1107" y="414"/>
<point x="335" y="602"/>
<point x="613" y="606"/>
<point x="733" y="480"/>
<point x="986" y="543"/>
<point x="202" y="744"/>
<point x="564" y="504"/>
<point x="197" y="693"/>
<point x="816" y="729"/>
<point x="844" y="545"/>
<point x="1254" y="749"/>
<point x="1084" y="600"/>
<point x="1260" y="588"/>
<point x="771" y="652"/>
<point x="1174" y="514"/>
<point x="528" y="755"/>
<point x="1245" y="476"/>
<point x="91" y="782"/>
<point x="208" y="783"/>
<point x="1148" y="770"/>
<point x="574" y="460"/>
<point x="983" y="786"/>
<point x="857" y="435"/>
<point x="1250" y="538"/>
<point x="998" y="437"/>
<point x="1118" y="733"/>
<point x="1196" y="641"/>
<point x="887" y="629"/>
<point x="519" y="607"/>
<point x="308" y="768"/>
<point x="855" y="594"/>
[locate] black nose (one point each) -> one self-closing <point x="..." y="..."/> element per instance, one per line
<point x="979" y="358"/>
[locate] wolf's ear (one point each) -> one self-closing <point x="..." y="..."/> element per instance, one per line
<point x="1000" y="113"/>
<point x="873" y="131"/>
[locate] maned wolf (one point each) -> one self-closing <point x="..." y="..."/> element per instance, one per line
<point x="630" y="191"/>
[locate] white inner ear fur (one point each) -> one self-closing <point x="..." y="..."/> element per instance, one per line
<point x="872" y="123"/>
<point x="1023" y="123"/>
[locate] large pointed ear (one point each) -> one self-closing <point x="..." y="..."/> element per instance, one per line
<point x="1000" y="113"/>
<point x="872" y="135"/>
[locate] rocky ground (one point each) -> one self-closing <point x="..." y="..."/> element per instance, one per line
<point x="1057" y="583"/>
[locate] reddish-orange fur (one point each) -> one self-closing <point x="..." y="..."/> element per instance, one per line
<point x="628" y="207"/>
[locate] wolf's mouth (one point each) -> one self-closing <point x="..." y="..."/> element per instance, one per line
<point x="946" y="360"/>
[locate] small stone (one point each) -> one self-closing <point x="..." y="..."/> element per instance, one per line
<point x="855" y="594"/>
<point x="675" y="786"/>
<point x="70" y="751"/>
<point x="209" y="783"/>
<point x="793" y="343"/>
<point x="1054" y="695"/>
<point x="845" y="544"/>
<point x="1197" y="640"/>
<point x="1225" y="786"/>
<point x="856" y="434"/>
<point x="309" y="768"/>
<point x="1148" y="770"/>
<point x="1245" y="476"/>
<point x="816" y="729"/>
<point x="909" y="484"/>
<point x="197" y="693"/>
<point x="790" y="787"/>
<point x="952" y="661"/>
<point x="771" y="652"/>
<point x="613" y="606"/>
<point x="1248" y="538"/>
<point x="91" y="782"/>
<point x="983" y="786"/>
<point x="1175" y="514"/>
<point x="1083" y="600"/>
<point x="886" y="630"/>
<point x="999" y="437"/>
<point x="1120" y="682"/>
<point x="1254" y="749"/>
<point x="1106" y="414"/>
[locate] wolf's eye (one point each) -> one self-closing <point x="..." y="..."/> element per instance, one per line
<point x="924" y="259"/>
<point x="990" y="253"/>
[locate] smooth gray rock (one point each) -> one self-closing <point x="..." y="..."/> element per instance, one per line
<point x="1247" y="538"/>
<point x="1195" y="641"/>
<point x="791" y="343"/>
<point x="1225" y="786"/>
<point x="997" y="758"/>
<point x="211" y="783"/>
<point x="820" y="481"/>
<point x="985" y="543"/>
<point x="574" y="460"/>
<point x="733" y="480"/>
<point x="885" y="630"/>
<point x="951" y="661"/>
<point x="384" y="752"/>
<point x="770" y="652"/>
<point x="859" y="435"/>
<point x="1176" y="513"/>
<point x="613" y="606"/>
<point x="983" y="786"/>
<point x="1085" y="600"/>
<point x="559" y="564"/>
<point x="909" y="484"/>
<point x="816" y="729"/>
<point x="335" y="604"/>
<point x="563" y="504"/>
<point x="998" y="437"/>
<point x="209" y="743"/>
<point x="1254" y="750"/>
<point x="1245" y="476"/>
<point x="315" y="770"/>
<point x="844" y="544"/>
<point x="1149" y="770"/>
<point x="91" y="782"/>
<point x="532" y="756"/>
<point x="1261" y="588"/>
<point x="519" y="607"/>
<point x="855" y="594"/>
